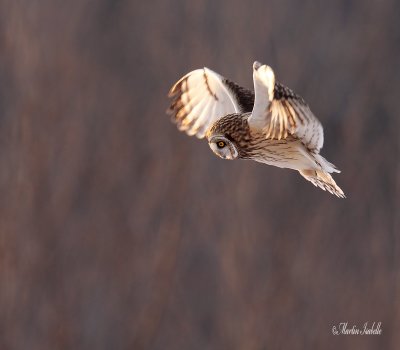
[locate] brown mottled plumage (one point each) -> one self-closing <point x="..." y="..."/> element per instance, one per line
<point x="273" y="125"/>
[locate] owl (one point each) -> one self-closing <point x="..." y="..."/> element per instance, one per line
<point x="272" y="125"/>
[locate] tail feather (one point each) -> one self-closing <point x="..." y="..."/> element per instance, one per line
<point x="323" y="180"/>
<point x="327" y="166"/>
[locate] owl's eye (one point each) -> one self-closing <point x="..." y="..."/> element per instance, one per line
<point x="221" y="144"/>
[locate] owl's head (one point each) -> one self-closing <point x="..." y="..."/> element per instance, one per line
<point x="223" y="147"/>
<point x="229" y="136"/>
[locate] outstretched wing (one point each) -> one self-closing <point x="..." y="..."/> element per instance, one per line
<point x="202" y="96"/>
<point x="279" y="112"/>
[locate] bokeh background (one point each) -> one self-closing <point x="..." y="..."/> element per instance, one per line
<point x="119" y="232"/>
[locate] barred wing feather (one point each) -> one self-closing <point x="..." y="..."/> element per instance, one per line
<point x="200" y="98"/>
<point x="279" y="112"/>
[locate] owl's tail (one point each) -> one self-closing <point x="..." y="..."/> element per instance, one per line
<point x="324" y="180"/>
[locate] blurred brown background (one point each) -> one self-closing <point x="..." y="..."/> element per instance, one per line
<point x="119" y="232"/>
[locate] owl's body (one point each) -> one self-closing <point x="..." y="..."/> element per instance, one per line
<point x="274" y="126"/>
<point x="285" y="153"/>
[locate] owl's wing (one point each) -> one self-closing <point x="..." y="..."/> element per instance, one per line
<point x="279" y="112"/>
<point x="202" y="96"/>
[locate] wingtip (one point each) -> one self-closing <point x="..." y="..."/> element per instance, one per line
<point x="172" y="91"/>
<point x="176" y="88"/>
<point x="263" y="68"/>
<point x="264" y="77"/>
<point x="256" y="65"/>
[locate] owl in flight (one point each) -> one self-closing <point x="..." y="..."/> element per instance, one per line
<point x="273" y="125"/>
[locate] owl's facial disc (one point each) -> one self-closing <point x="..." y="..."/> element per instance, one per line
<point x="223" y="147"/>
